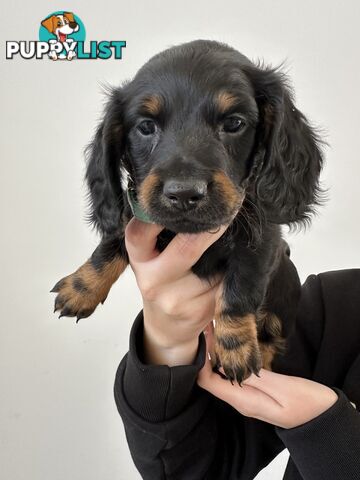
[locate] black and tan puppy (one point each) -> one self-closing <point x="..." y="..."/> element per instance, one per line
<point x="206" y="137"/>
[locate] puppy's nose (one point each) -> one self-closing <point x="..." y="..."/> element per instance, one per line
<point x="185" y="194"/>
<point x="72" y="24"/>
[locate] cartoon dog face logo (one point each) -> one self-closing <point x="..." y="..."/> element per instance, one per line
<point x="61" y="25"/>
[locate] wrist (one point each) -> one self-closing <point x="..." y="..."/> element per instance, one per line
<point x="182" y="354"/>
<point x="322" y="400"/>
<point x="161" y="348"/>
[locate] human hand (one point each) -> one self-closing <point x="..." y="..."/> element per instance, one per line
<point x="177" y="304"/>
<point x="281" y="400"/>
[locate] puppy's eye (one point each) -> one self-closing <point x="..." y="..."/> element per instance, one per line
<point x="147" y="127"/>
<point x="233" y="124"/>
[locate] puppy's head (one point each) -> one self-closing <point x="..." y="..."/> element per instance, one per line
<point x="61" y="25"/>
<point x="199" y="128"/>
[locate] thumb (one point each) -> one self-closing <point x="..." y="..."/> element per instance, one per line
<point x="207" y="378"/>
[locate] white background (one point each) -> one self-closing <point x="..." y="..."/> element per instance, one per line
<point x="58" y="417"/>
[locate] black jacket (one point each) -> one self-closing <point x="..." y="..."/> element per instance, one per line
<point x="176" y="430"/>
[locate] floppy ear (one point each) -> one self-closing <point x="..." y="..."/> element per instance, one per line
<point x="103" y="174"/>
<point x="287" y="186"/>
<point x="69" y="16"/>
<point x="48" y="23"/>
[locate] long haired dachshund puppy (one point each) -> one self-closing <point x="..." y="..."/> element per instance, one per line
<point x="206" y="137"/>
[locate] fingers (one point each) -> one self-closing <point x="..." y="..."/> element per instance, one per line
<point x="185" y="250"/>
<point x="285" y="389"/>
<point x="247" y="399"/>
<point x="188" y="296"/>
<point x="274" y="384"/>
<point x="140" y="240"/>
<point x="178" y="257"/>
<point x="193" y="286"/>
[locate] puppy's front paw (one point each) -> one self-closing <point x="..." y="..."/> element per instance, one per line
<point x="237" y="348"/>
<point x="240" y="361"/>
<point x="71" y="55"/>
<point x="76" y="296"/>
<point x="53" y="55"/>
<point x="81" y="292"/>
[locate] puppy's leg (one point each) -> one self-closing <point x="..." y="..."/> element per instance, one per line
<point x="270" y="337"/>
<point x="236" y="343"/>
<point x="236" y="346"/>
<point x="278" y="313"/>
<point x="80" y="293"/>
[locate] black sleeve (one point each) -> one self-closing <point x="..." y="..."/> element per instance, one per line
<point x="325" y="347"/>
<point x="328" y="447"/>
<point x="176" y="430"/>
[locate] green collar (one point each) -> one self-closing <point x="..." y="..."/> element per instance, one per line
<point x="137" y="211"/>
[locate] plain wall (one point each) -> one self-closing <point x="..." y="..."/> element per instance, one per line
<point x="58" y="417"/>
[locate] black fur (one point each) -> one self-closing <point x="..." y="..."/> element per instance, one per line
<point x="276" y="160"/>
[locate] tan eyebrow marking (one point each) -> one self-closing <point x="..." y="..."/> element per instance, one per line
<point x="225" y="100"/>
<point x="152" y="104"/>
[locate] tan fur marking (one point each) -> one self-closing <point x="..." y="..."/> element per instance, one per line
<point x="225" y="100"/>
<point x="97" y="284"/>
<point x="233" y="198"/>
<point x="50" y="23"/>
<point x="268" y="352"/>
<point x="243" y="329"/>
<point x="271" y="324"/>
<point x="146" y="190"/>
<point x="69" y="16"/>
<point x="229" y="357"/>
<point x="152" y="105"/>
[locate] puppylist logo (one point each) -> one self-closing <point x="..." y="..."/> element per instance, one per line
<point x="62" y="37"/>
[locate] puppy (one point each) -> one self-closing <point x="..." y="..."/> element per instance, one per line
<point x="61" y="26"/>
<point x="206" y="138"/>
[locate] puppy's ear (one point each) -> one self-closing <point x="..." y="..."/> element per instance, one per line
<point x="48" y="23"/>
<point x="103" y="175"/>
<point x="287" y="186"/>
<point x="69" y="16"/>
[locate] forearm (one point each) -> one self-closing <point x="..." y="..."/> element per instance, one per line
<point x="329" y="445"/>
<point x="160" y="406"/>
<point x="163" y="349"/>
<point x="149" y="387"/>
<point x="177" y="430"/>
